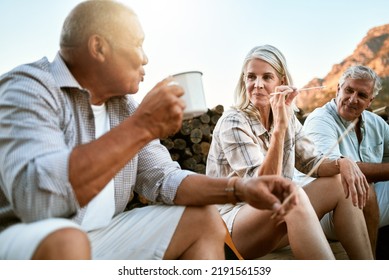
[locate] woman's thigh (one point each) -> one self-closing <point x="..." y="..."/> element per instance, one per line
<point x="255" y="233"/>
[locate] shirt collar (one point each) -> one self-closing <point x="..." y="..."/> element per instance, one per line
<point x="343" y="121"/>
<point x="257" y="126"/>
<point x="62" y="75"/>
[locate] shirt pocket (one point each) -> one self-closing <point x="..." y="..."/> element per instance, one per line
<point x="373" y="153"/>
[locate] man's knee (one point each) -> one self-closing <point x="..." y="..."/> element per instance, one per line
<point x="208" y="219"/>
<point x="200" y="235"/>
<point x="66" y="243"/>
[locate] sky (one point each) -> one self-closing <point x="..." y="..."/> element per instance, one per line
<point x="211" y="36"/>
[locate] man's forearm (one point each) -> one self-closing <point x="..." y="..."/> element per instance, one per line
<point x="375" y="172"/>
<point x="93" y="165"/>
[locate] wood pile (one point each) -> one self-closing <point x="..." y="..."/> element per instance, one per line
<point x="190" y="146"/>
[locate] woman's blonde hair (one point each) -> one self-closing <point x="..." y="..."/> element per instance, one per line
<point x="276" y="59"/>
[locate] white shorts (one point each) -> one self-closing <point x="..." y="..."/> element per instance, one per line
<point x="19" y="242"/>
<point x="142" y="234"/>
<point x="382" y="192"/>
<point x="228" y="213"/>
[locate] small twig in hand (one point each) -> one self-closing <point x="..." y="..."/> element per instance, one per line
<point x="301" y="89"/>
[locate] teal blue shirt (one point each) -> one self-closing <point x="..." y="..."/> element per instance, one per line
<point x="324" y="126"/>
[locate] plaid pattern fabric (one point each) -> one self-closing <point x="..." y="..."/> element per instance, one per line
<point x="44" y="114"/>
<point x="240" y="143"/>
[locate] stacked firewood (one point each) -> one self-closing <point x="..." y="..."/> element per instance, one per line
<point x="190" y="146"/>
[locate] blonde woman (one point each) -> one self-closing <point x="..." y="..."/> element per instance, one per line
<point x="261" y="136"/>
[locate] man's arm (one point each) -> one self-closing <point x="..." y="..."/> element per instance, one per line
<point x="325" y="132"/>
<point x="375" y="172"/>
<point x="353" y="180"/>
<point x="33" y="150"/>
<point x="41" y="172"/>
<point x="265" y="192"/>
<point x="93" y="165"/>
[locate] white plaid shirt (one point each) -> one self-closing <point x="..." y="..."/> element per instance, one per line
<point x="240" y="143"/>
<point x="44" y="114"/>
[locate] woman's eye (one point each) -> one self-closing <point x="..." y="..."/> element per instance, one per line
<point x="251" y="77"/>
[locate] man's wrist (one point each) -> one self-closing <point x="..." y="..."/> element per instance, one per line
<point x="337" y="162"/>
<point x="231" y="191"/>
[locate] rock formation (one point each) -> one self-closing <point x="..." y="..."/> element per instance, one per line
<point x="372" y="51"/>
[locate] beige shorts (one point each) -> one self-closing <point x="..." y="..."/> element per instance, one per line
<point x="382" y="192"/>
<point x="327" y="223"/>
<point x="142" y="234"/>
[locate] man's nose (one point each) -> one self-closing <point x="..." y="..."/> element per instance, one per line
<point x="353" y="98"/>
<point x="145" y="59"/>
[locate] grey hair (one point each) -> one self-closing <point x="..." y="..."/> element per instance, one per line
<point x="101" y="17"/>
<point x="271" y="55"/>
<point x="362" y="72"/>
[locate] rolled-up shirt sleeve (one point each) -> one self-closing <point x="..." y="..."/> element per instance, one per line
<point x="158" y="176"/>
<point x="33" y="152"/>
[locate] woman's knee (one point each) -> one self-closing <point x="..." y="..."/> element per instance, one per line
<point x="304" y="206"/>
<point x="66" y="243"/>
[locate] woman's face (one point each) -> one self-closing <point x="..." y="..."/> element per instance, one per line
<point x="260" y="79"/>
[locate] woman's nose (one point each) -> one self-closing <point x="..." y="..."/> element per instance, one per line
<point x="258" y="83"/>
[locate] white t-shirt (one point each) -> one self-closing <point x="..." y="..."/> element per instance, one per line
<point x="101" y="208"/>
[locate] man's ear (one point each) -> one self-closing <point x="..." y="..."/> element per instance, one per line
<point x="97" y="47"/>
<point x="371" y="100"/>
<point x="337" y="90"/>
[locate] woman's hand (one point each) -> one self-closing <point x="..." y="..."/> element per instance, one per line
<point x="282" y="105"/>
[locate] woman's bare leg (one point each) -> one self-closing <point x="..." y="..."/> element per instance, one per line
<point x="306" y="237"/>
<point x="256" y="234"/>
